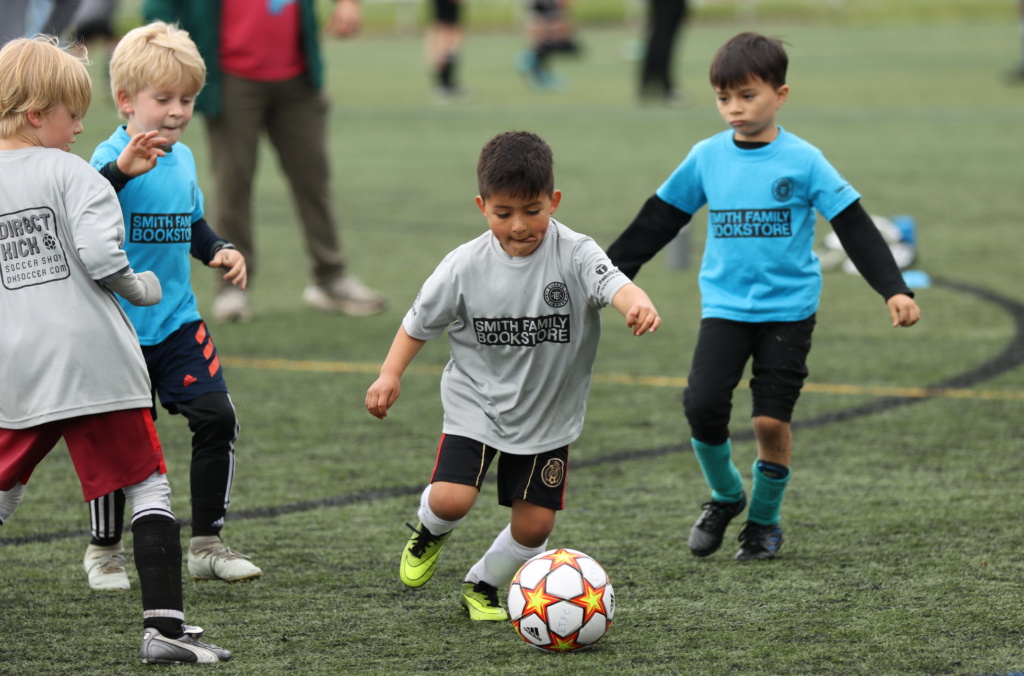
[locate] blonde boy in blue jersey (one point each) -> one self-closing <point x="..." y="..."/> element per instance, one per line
<point x="760" y="280"/>
<point x="521" y="304"/>
<point x="155" y="74"/>
<point x="66" y="343"/>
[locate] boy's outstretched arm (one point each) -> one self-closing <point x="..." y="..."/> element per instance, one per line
<point x="871" y="255"/>
<point x="633" y="303"/>
<point x="385" y="390"/>
<point x="657" y="224"/>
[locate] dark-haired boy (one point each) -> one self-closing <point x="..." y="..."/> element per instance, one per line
<point x="521" y="304"/>
<point x="760" y="280"/>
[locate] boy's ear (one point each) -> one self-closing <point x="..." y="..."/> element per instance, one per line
<point x="782" y="93"/>
<point x="481" y="205"/>
<point x="35" y="118"/>
<point x="125" y="103"/>
<point x="556" y="198"/>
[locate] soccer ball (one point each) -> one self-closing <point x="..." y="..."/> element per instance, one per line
<point x="561" y="600"/>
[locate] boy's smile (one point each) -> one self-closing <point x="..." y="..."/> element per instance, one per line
<point x="519" y="223"/>
<point x="749" y="109"/>
<point x="166" y="110"/>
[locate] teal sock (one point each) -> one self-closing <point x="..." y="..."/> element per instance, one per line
<point x="766" y="499"/>
<point x="719" y="471"/>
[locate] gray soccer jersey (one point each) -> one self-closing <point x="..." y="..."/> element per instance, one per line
<point x="66" y="348"/>
<point x="523" y="333"/>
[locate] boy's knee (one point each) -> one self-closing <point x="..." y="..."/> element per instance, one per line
<point x="708" y="417"/>
<point x="211" y="414"/>
<point x="451" y="501"/>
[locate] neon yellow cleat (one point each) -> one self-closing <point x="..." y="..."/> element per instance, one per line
<point x="419" y="559"/>
<point x="481" y="600"/>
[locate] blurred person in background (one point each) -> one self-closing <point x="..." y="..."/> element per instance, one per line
<point x="665" y="18"/>
<point x="444" y="40"/>
<point x="550" y="30"/>
<point x="259" y="81"/>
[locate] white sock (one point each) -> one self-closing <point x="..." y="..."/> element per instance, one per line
<point x="9" y="501"/>
<point x="433" y="522"/>
<point x="499" y="564"/>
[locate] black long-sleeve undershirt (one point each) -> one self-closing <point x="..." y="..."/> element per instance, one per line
<point x="658" y="223"/>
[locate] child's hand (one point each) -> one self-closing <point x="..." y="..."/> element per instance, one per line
<point x="234" y="261"/>
<point x="141" y="153"/>
<point x="382" y="395"/>
<point x="643" y="318"/>
<point x="903" y="310"/>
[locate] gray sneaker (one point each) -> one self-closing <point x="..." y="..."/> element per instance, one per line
<point x="158" y="649"/>
<point x="706" y="535"/>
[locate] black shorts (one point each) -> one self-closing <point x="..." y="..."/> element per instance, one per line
<point x="538" y="479"/>
<point x="779" y="351"/>
<point x="448" y="12"/>
<point x="185" y="366"/>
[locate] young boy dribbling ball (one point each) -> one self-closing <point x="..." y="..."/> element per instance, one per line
<point x="69" y="359"/>
<point x="760" y="280"/>
<point x="155" y="74"/>
<point x="521" y="304"/>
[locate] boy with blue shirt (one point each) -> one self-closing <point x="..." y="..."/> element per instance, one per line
<point x="760" y="280"/>
<point x="155" y="74"/>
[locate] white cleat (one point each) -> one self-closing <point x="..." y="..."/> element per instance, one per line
<point x="105" y="567"/>
<point x="209" y="559"/>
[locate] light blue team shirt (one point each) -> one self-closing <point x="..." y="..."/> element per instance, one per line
<point x="159" y="208"/>
<point x="759" y="263"/>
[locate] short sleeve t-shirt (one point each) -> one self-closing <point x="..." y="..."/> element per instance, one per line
<point x="523" y="333"/>
<point x="759" y="263"/>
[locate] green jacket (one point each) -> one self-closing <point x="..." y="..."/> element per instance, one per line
<point x="201" y="18"/>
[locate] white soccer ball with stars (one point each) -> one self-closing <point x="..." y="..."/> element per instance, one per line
<point x="561" y="600"/>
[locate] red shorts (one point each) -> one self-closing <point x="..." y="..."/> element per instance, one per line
<point x="110" y="450"/>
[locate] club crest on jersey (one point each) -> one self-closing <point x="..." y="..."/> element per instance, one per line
<point x="556" y="294"/>
<point x="553" y="473"/>
<point x="782" y="189"/>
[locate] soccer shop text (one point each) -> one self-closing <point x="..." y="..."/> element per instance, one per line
<point x="522" y="331"/>
<point x="160" y="228"/>
<point x="30" y="250"/>
<point x="751" y="223"/>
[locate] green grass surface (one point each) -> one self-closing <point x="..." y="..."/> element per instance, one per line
<point x="904" y="552"/>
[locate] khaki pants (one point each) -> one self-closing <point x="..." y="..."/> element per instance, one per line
<point x="294" y="115"/>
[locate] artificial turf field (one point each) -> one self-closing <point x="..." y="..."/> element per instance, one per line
<point x="904" y="547"/>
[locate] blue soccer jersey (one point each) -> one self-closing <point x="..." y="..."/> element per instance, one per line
<point x="159" y="208"/>
<point x="759" y="263"/>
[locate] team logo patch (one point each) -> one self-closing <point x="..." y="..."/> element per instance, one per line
<point x="601" y="269"/>
<point x="556" y="294"/>
<point x="553" y="473"/>
<point x="782" y="189"/>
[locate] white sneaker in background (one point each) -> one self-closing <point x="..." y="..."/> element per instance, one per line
<point x="232" y="305"/>
<point x="347" y="295"/>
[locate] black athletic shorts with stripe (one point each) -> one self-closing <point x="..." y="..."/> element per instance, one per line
<point x="538" y="479"/>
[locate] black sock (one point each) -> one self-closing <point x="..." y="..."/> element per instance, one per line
<point x="158" y="561"/>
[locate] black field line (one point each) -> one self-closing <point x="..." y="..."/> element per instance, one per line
<point x="1010" y="358"/>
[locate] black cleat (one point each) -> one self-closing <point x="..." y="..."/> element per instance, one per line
<point x="759" y="542"/>
<point x="706" y="535"/>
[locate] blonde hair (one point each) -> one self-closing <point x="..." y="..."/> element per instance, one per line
<point x="155" y="55"/>
<point x="37" y="75"/>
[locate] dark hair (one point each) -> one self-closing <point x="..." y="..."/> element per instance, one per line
<point x="746" y="56"/>
<point x="516" y="163"/>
